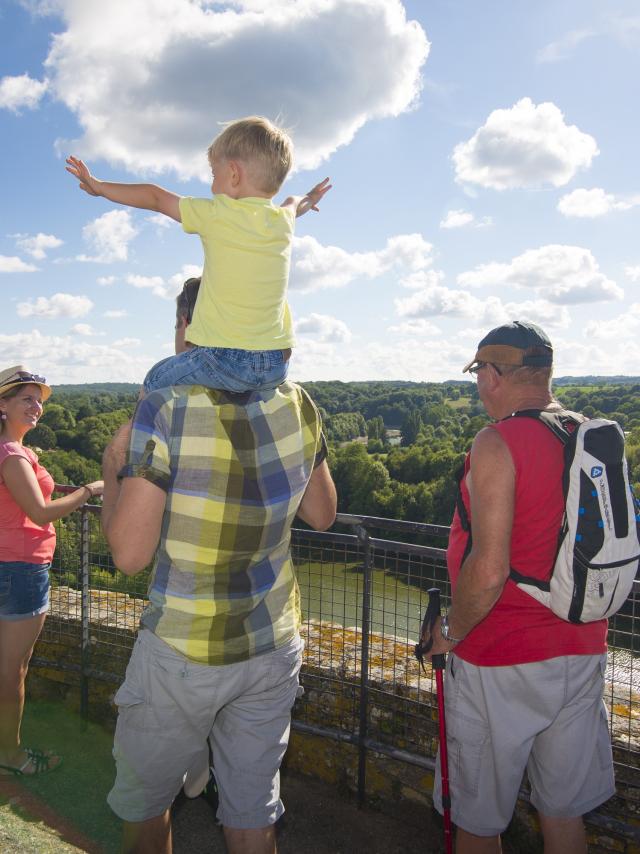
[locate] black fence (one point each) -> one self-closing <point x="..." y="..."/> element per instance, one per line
<point x="362" y="598"/>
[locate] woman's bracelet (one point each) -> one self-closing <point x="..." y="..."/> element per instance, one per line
<point x="89" y="490"/>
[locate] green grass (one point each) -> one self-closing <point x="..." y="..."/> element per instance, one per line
<point x="22" y="834"/>
<point x="77" y="790"/>
<point x="459" y="403"/>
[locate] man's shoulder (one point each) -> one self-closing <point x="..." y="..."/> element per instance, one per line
<point x="288" y="394"/>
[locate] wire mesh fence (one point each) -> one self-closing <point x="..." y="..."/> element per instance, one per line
<point x="362" y="600"/>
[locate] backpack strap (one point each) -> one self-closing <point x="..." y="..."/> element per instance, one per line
<point x="562" y="422"/>
<point x="462" y="512"/>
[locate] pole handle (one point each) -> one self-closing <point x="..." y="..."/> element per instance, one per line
<point x="438" y="662"/>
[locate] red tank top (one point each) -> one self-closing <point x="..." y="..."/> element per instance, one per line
<point x="20" y="538"/>
<point x="519" y="629"/>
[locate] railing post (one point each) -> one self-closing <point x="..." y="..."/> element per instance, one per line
<point x="363" y="538"/>
<point x="85" y="649"/>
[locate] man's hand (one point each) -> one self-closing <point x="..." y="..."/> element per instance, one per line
<point x="79" y="170"/>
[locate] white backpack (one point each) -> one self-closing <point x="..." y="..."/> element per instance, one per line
<point x="599" y="541"/>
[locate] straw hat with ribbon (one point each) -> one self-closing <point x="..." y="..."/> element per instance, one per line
<point x="12" y="377"/>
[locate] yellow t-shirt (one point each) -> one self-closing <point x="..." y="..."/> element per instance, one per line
<point x="247" y="253"/>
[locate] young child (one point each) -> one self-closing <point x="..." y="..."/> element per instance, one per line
<point x="241" y="326"/>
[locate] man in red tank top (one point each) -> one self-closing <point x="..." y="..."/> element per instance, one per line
<point x="523" y="688"/>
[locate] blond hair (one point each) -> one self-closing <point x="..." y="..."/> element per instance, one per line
<point x="265" y="148"/>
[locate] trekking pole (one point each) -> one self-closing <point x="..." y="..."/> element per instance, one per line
<point x="438" y="665"/>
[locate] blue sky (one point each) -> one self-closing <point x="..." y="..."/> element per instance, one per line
<point x="483" y="157"/>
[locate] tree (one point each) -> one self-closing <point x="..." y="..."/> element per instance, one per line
<point x="58" y="417"/>
<point x="411" y="427"/>
<point x="41" y="436"/>
<point x="69" y="467"/>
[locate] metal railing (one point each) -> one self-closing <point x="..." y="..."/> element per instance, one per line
<point x="362" y="598"/>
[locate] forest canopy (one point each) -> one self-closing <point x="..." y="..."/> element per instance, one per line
<point x="394" y="446"/>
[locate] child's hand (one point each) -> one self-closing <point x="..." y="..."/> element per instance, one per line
<point x="315" y="195"/>
<point x="79" y="170"/>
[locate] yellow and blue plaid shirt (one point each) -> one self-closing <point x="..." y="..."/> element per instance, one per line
<point x="235" y="468"/>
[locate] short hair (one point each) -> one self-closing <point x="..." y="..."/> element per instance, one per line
<point x="186" y="299"/>
<point x="266" y="148"/>
<point x="526" y="375"/>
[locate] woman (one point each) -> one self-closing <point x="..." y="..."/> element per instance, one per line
<point x="27" y="542"/>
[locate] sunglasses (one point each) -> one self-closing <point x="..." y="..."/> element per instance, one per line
<point x="474" y="370"/>
<point x="24" y="377"/>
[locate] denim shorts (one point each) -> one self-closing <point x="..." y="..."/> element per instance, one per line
<point x="220" y="368"/>
<point x="24" y="589"/>
<point x="169" y="706"/>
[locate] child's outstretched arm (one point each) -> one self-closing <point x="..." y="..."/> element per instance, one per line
<point x="147" y="196"/>
<point x="302" y="204"/>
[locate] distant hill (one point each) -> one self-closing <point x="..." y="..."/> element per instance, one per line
<point x="97" y="388"/>
<point x="129" y="388"/>
<point x="616" y="380"/>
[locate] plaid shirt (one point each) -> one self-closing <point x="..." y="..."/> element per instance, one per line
<point x="235" y="468"/>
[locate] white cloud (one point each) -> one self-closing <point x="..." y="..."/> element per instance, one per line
<point x="156" y="284"/>
<point x="456" y="219"/>
<point x="187" y="271"/>
<point x="437" y="301"/>
<point x="109" y="236"/>
<point x="460" y="218"/>
<point x="115" y="313"/>
<point x="323" y="327"/>
<point x="422" y="279"/>
<point x="105" y="281"/>
<point x="13" y="264"/>
<point x="134" y="90"/>
<point x="38" y="245"/>
<point x="126" y="343"/>
<point x="633" y="273"/>
<point x="160" y="221"/>
<point x="21" y="92"/>
<point x="417" y="326"/>
<point x="561" y="274"/>
<point x="316" y="266"/>
<point x="527" y="145"/>
<point x="59" y="305"/>
<point x="593" y="203"/>
<point x="623" y="327"/>
<point x="70" y="358"/>
<point x="85" y="329"/>
<point x="152" y="282"/>
<point x="564" y="47"/>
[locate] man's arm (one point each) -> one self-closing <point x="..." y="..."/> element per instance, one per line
<point x="302" y="204"/>
<point x="491" y="485"/>
<point x="319" y="502"/>
<point x="132" y="509"/>
<point x="150" y="197"/>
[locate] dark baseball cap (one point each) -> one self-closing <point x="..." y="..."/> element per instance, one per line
<point x="518" y="343"/>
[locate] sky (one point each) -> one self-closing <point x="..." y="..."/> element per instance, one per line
<point x="483" y="159"/>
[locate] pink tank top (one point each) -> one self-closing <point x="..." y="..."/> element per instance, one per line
<point x="519" y="629"/>
<point x="20" y="538"/>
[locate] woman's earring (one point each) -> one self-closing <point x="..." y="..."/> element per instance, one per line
<point x="3" y="416"/>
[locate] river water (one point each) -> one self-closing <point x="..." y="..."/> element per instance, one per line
<point x="333" y="592"/>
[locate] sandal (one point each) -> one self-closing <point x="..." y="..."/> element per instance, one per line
<point x="41" y="762"/>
